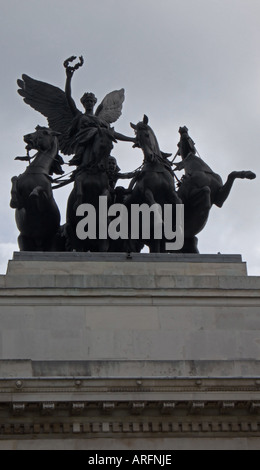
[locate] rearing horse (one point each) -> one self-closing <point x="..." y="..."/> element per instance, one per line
<point x="91" y="182"/>
<point x="155" y="183"/>
<point x="199" y="189"/>
<point x="37" y="214"/>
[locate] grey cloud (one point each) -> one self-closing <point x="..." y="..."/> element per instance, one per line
<point x="180" y="62"/>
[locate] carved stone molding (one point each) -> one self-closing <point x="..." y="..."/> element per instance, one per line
<point x="77" y="408"/>
<point x="48" y="408"/>
<point x="112" y="406"/>
<point x="207" y="427"/>
<point x="18" y="408"/>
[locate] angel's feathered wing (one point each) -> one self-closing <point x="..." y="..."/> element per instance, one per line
<point x="110" y="109"/>
<point x="50" y="101"/>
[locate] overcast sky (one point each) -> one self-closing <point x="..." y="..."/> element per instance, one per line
<point x="181" y="62"/>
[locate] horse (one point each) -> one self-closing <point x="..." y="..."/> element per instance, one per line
<point x="36" y="212"/>
<point x="154" y="186"/>
<point x="199" y="189"/>
<point x="91" y="181"/>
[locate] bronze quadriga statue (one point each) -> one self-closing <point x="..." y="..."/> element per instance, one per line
<point x="89" y="138"/>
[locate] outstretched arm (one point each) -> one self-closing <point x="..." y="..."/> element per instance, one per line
<point x="123" y="137"/>
<point x="127" y="176"/>
<point x="71" y="102"/>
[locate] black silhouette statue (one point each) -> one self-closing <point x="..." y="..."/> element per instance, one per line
<point x="199" y="189"/>
<point x="37" y="214"/>
<point x="154" y="183"/>
<point x="87" y="138"/>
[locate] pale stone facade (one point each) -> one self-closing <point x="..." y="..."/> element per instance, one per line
<point x="115" y="351"/>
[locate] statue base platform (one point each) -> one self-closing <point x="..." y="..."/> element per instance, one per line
<point x="129" y="351"/>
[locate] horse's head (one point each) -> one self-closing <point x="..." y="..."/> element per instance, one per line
<point x="146" y="140"/>
<point x="43" y="139"/>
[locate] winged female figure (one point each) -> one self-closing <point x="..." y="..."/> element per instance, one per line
<point x="63" y="116"/>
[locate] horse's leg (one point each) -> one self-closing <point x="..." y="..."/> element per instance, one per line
<point x="196" y="212"/>
<point x="130" y="245"/>
<point x="14" y="203"/>
<point x="171" y="196"/>
<point x="154" y="244"/>
<point x="223" y="192"/>
<point x="22" y="243"/>
<point x="190" y="245"/>
<point x="72" y="238"/>
<point x="79" y="192"/>
<point x="26" y="243"/>
<point x="103" y="244"/>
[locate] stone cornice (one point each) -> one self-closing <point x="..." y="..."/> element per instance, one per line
<point x="120" y="277"/>
<point x="99" y="296"/>
<point x="119" y="407"/>
<point x="124" y="390"/>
